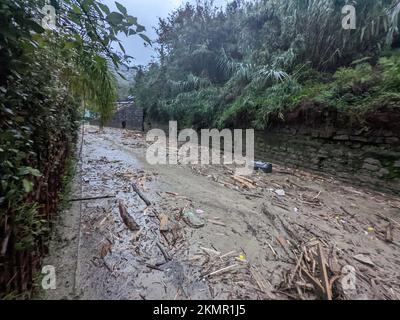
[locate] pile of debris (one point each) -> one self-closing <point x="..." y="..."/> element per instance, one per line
<point x="313" y="275"/>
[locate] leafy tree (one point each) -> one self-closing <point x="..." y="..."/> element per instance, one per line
<point x="45" y="78"/>
<point x="252" y="47"/>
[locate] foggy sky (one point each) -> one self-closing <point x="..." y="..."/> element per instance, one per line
<point x="147" y="12"/>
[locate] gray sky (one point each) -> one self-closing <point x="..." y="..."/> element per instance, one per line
<point x="147" y="12"/>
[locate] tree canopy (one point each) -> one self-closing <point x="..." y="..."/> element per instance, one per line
<point x="240" y="64"/>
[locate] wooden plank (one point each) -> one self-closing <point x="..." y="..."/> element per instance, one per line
<point x="324" y="273"/>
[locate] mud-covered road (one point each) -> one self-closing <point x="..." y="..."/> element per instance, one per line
<point x="257" y="242"/>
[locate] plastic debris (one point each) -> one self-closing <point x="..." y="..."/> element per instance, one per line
<point x="241" y="257"/>
<point x="263" y="166"/>
<point x="280" y="192"/>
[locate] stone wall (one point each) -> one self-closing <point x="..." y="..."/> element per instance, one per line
<point x="365" y="157"/>
<point x="151" y="124"/>
<point x="128" y="112"/>
<point x="362" y="151"/>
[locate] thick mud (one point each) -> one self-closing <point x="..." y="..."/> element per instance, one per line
<point x="263" y="237"/>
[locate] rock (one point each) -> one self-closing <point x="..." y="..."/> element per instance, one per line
<point x="371" y="164"/>
<point x="193" y="220"/>
<point x="337" y="153"/>
<point x="372" y="161"/>
<point x="370" y="167"/>
<point x="327" y="133"/>
<point x="359" y="139"/>
<point x="366" y="178"/>
<point x="316" y="160"/>
<point x="388" y="134"/>
<point x="392" y="140"/>
<point x="323" y="154"/>
<point x="341" y="137"/>
<point x="356" y="146"/>
<point x="397" y="164"/>
<point x="315" y="133"/>
<point x="383" y="172"/>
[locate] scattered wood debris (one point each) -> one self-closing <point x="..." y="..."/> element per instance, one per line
<point x="141" y="195"/>
<point x="222" y="270"/>
<point x="312" y="272"/>
<point x="245" y="182"/>
<point x="91" y="198"/>
<point x="263" y="284"/>
<point x="164" y="252"/>
<point x="283" y="242"/>
<point x="211" y="251"/>
<point x="303" y="263"/>
<point x="127" y="219"/>
<point x="323" y="273"/>
<point x="218" y="223"/>
<point x="389" y="233"/>
<point x="105" y="249"/>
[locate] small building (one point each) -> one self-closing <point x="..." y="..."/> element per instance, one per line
<point x="127" y="115"/>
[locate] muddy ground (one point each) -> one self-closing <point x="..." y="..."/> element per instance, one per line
<point x="257" y="242"/>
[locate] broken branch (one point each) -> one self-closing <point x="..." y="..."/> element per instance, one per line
<point x="223" y="270"/>
<point x="127" y="219"/>
<point x="141" y="195"/>
<point x="164" y="253"/>
<point x="91" y="198"/>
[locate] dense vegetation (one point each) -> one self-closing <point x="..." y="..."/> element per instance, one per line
<point x="47" y="79"/>
<point x="251" y="62"/>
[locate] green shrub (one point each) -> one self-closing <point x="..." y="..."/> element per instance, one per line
<point x="195" y="109"/>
